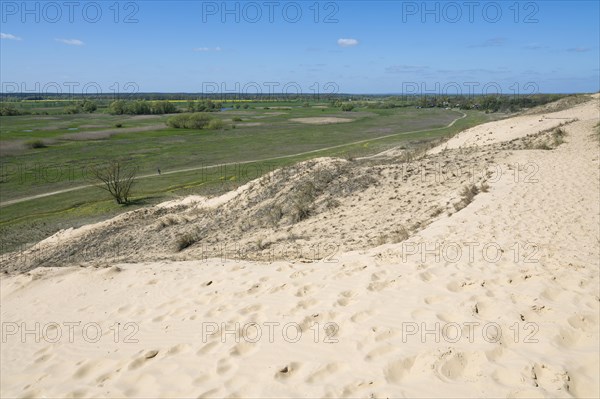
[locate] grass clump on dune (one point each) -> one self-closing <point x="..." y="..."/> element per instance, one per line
<point x="186" y="240"/>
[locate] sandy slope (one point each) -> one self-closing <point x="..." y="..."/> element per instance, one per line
<point x="500" y="299"/>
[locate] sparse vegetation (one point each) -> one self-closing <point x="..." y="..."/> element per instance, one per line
<point x="215" y="124"/>
<point x="558" y="136"/>
<point x="190" y="121"/>
<point x="438" y="211"/>
<point x="548" y="139"/>
<point x="399" y="235"/>
<point x="185" y="240"/>
<point x="35" y="144"/>
<point x="167" y="221"/>
<point x="302" y="203"/>
<point x="141" y="107"/>
<point x="275" y="214"/>
<point x="467" y="195"/>
<point x="116" y="177"/>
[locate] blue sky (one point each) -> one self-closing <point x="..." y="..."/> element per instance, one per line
<point x="307" y="46"/>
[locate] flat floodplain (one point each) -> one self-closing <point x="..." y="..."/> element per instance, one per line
<point x="261" y="138"/>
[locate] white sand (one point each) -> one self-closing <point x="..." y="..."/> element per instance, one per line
<point x="541" y="294"/>
<point x="321" y="120"/>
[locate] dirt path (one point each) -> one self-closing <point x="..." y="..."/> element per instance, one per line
<point x="33" y="197"/>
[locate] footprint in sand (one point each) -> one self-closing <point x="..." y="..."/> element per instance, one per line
<point x="84" y="370"/>
<point x="304" y="304"/>
<point x="386" y="334"/>
<point x="567" y="337"/>
<point x="223" y="366"/>
<point x="308" y="289"/>
<point x="207" y="348"/>
<point x="44" y="358"/>
<point x="177" y="349"/>
<point x="453" y="365"/>
<point x="202" y="379"/>
<point x="584" y="321"/>
<point x="137" y="363"/>
<point x="251" y="308"/>
<point x="379" y="351"/>
<point x="217" y="311"/>
<point x="351" y="390"/>
<point x="244" y="347"/>
<point x="299" y="273"/>
<point x="362" y="316"/>
<point x="159" y="319"/>
<point x="324" y="372"/>
<point x="378" y="276"/>
<point x="425" y="276"/>
<point x="550" y="378"/>
<point x="345" y="298"/>
<point x="380" y="285"/>
<point x="322" y="318"/>
<point x="396" y="371"/>
<point x="287" y="371"/>
<point x="277" y="289"/>
<point x="430" y="300"/>
<point x="124" y="309"/>
<point x="212" y="393"/>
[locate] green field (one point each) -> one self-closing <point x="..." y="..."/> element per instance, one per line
<point x="266" y="138"/>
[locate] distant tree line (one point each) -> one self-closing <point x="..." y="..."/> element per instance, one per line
<point x="489" y="103"/>
<point x="12" y="104"/>
<point x="141" y="107"/>
<point x="85" y="106"/>
<point x="204" y="106"/>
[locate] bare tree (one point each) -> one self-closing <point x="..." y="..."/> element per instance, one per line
<point x="116" y="177"/>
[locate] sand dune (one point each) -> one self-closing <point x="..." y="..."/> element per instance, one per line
<point x="412" y="289"/>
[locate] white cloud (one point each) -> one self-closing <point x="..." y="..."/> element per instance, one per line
<point x="578" y="50"/>
<point x="493" y="42"/>
<point x="533" y="46"/>
<point x="347" y="42"/>
<point x="70" y="42"/>
<point x="8" y="36"/>
<point x="405" y="69"/>
<point x="206" y="49"/>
